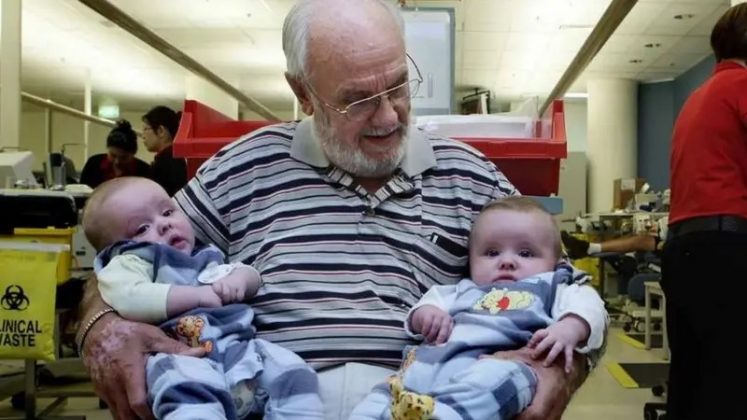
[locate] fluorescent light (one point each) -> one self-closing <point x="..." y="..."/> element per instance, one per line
<point x="110" y="111"/>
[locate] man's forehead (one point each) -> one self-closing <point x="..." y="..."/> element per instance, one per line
<point x="376" y="79"/>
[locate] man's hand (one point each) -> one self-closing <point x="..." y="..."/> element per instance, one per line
<point x="433" y="323"/>
<point x="115" y="353"/>
<point x="239" y="285"/>
<point x="554" y="386"/>
<point x="560" y="337"/>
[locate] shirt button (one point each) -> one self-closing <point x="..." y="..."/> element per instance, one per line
<point x="370" y="212"/>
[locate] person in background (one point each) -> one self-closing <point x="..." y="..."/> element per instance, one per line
<point x="71" y="174"/>
<point x="579" y="248"/>
<point x="119" y="160"/>
<point x="705" y="256"/>
<point x="159" y="129"/>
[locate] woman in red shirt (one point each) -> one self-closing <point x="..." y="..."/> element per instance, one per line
<point x="704" y="272"/>
<point x="120" y="160"/>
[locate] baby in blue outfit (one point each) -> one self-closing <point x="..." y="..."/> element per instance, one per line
<point x="520" y="293"/>
<point x="148" y="270"/>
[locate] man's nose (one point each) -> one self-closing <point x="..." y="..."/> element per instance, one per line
<point x="386" y="114"/>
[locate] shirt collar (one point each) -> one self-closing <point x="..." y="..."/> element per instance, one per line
<point x="727" y="65"/>
<point x="418" y="157"/>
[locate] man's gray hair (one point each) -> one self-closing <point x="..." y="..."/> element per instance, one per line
<point x="296" y="32"/>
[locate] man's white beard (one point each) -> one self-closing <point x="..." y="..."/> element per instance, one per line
<point x="353" y="160"/>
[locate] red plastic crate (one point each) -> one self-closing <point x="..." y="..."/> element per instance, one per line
<point x="203" y="131"/>
<point x="532" y="165"/>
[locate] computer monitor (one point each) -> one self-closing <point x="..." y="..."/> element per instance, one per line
<point x="15" y="167"/>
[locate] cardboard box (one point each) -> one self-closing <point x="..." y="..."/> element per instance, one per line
<point x="624" y="190"/>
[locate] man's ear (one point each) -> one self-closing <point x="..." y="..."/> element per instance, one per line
<point x="302" y="93"/>
<point x="161" y="132"/>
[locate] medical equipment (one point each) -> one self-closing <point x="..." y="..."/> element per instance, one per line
<point x="15" y="170"/>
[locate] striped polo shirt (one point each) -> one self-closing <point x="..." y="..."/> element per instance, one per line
<point x="341" y="267"/>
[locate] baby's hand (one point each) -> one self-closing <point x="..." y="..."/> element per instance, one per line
<point x="208" y="298"/>
<point x="563" y="336"/>
<point x="234" y="287"/>
<point x="433" y="323"/>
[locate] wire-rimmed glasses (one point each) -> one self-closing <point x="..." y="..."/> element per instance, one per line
<point x="363" y="109"/>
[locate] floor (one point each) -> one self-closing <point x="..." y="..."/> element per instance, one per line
<point x="601" y="396"/>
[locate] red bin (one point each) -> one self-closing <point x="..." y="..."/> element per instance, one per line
<point x="531" y="164"/>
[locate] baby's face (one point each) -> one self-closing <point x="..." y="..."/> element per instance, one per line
<point x="511" y="245"/>
<point x="142" y="211"/>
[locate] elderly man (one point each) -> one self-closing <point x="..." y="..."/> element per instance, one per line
<point x="350" y="216"/>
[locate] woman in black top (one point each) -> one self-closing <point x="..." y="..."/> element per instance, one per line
<point x="159" y="129"/>
<point x="120" y="160"/>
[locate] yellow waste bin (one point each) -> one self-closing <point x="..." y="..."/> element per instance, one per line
<point x="29" y="273"/>
<point x="61" y="236"/>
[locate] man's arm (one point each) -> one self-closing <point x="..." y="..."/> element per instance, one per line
<point x="89" y="306"/>
<point x="114" y="352"/>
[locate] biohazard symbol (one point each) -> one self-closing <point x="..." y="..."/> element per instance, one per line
<point x="14" y="299"/>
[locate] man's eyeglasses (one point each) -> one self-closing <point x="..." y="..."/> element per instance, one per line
<point x="365" y="108"/>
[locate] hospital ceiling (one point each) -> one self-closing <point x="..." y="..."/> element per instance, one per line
<point x="515" y="48"/>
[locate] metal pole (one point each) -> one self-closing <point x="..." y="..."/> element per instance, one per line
<point x="48" y="129"/>
<point x="87" y="110"/>
<point x="124" y="21"/>
<point x="47" y="103"/>
<point x="608" y="23"/>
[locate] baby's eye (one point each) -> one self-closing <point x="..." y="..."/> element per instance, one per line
<point x="492" y="253"/>
<point x="141" y="230"/>
<point x="526" y="253"/>
<point x="168" y="212"/>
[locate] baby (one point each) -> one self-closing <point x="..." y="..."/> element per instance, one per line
<point x="149" y="270"/>
<point x="519" y="294"/>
